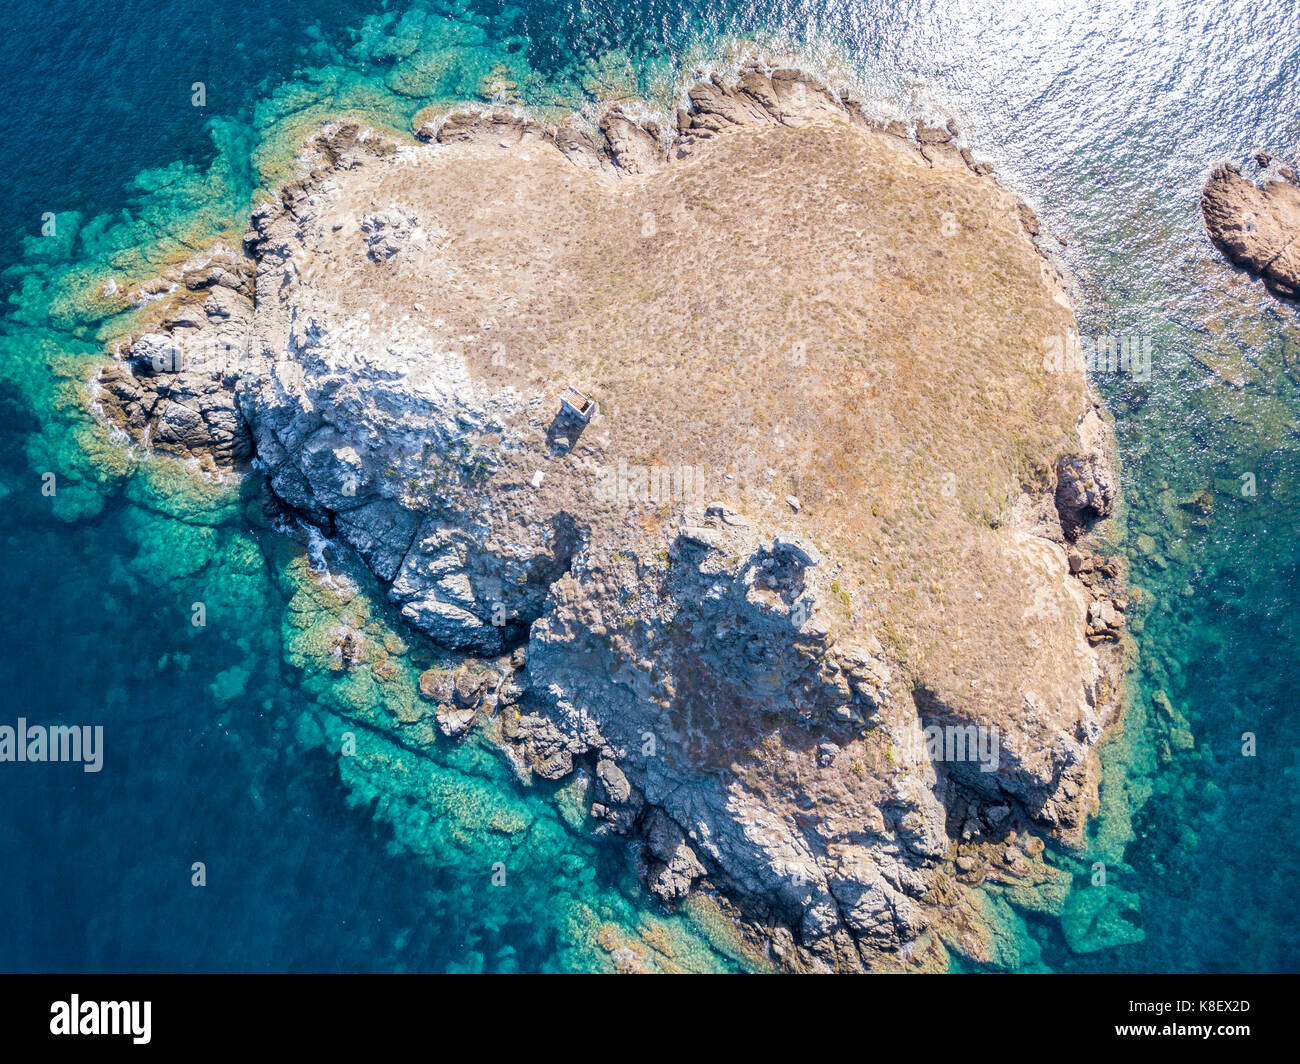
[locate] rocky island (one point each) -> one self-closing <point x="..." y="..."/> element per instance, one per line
<point x="799" y="573"/>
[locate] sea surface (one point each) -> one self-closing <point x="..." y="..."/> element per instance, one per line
<point x="222" y="742"/>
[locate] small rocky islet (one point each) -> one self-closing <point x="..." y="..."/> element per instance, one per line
<point x="829" y="482"/>
<point x="1256" y="224"/>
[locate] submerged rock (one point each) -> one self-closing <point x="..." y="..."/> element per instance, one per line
<point x="793" y="589"/>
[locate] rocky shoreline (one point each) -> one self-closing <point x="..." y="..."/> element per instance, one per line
<point x="835" y="502"/>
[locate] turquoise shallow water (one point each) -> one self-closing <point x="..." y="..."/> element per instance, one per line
<point x="220" y="741"/>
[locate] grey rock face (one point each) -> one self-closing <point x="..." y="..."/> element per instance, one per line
<point x="386" y="232"/>
<point x="673" y="867"/>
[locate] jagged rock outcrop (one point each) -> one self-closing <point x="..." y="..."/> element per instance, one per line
<point x="806" y="706"/>
<point x="1086" y="490"/>
<point x="1257" y="225"/>
<point x="174" y="388"/>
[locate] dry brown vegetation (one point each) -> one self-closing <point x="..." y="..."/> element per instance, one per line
<point x="822" y="302"/>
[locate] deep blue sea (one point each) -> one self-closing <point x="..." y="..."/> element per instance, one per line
<point x="221" y="742"/>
